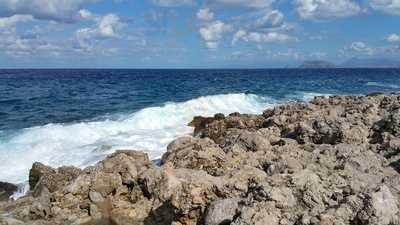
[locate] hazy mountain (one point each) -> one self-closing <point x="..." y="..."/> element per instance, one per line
<point x="371" y="63"/>
<point x="316" y="64"/>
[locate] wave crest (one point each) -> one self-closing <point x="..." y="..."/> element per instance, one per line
<point x="84" y="143"/>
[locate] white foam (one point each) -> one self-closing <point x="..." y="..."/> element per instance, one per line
<point x="82" y="144"/>
<point x="23" y="188"/>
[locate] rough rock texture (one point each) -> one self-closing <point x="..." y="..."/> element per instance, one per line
<point x="333" y="161"/>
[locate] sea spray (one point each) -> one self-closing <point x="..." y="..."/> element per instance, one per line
<point x="82" y="144"/>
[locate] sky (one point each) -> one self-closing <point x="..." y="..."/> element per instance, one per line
<point x="194" y="33"/>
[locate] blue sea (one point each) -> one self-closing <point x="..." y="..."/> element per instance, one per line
<point x="77" y="117"/>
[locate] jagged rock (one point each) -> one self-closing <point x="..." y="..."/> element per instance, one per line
<point x="333" y="161"/>
<point x="195" y="153"/>
<point x="6" y="190"/>
<point x="52" y="179"/>
<point x="38" y="171"/>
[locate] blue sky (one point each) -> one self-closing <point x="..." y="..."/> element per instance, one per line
<point x="194" y="33"/>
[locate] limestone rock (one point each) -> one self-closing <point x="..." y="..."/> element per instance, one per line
<point x="332" y="161"/>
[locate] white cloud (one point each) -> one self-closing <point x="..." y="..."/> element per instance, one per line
<point x="9" y="22"/>
<point x="244" y="3"/>
<point x="326" y="9"/>
<point x="12" y="43"/>
<point x="386" y="6"/>
<point x="86" y="14"/>
<point x="108" y="26"/>
<point x="57" y="10"/>
<point x="205" y="14"/>
<point x="272" y="18"/>
<point x="359" y="48"/>
<point x="173" y="3"/>
<point x="15" y="45"/>
<point x="261" y="37"/>
<point x="212" y="33"/>
<point x="393" y="38"/>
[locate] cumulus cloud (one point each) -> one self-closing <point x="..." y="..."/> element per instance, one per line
<point x="107" y="27"/>
<point x="14" y="44"/>
<point x="326" y="9"/>
<point x="61" y="11"/>
<point x="386" y="6"/>
<point x="259" y="37"/>
<point x="393" y="38"/>
<point x="212" y="33"/>
<point x="173" y="3"/>
<point x="205" y="14"/>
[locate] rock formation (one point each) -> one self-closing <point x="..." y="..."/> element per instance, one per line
<point x="332" y="161"/>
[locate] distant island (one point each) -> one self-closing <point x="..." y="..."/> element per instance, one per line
<point x="316" y="64"/>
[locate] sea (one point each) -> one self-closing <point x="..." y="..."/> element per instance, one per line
<point x="79" y="116"/>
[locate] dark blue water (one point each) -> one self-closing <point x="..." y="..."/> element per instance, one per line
<point x="77" y="117"/>
<point x="37" y="97"/>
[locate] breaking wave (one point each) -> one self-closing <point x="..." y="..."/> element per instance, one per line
<point x="84" y="143"/>
<point x="150" y="129"/>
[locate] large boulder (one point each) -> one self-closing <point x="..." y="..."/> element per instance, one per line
<point x="52" y="179"/>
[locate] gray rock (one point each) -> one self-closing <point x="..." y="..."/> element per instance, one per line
<point x="221" y="211"/>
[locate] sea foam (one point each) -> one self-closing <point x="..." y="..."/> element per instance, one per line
<point x="84" y="143"/>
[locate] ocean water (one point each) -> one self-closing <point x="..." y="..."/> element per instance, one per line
<point x="77" y="117"/>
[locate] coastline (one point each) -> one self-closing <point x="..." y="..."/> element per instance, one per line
<point x="330" y="161"/>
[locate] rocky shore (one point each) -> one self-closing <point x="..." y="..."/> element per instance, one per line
<point x="332" y="161"/>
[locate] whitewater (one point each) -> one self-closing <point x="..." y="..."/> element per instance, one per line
<point x="85" y="143"/>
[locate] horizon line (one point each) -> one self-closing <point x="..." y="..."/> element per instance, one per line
<point x="184" y="68"/>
